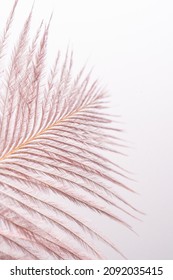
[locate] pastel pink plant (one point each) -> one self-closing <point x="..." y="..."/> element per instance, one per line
<point x="53" y="131"/>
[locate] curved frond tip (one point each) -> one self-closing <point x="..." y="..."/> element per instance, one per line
<point x="54" y="135"/>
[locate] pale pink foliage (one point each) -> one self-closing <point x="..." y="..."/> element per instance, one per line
<point x="52" y="133"/>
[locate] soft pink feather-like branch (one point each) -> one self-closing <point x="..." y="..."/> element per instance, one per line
<point x="53" y="133"/>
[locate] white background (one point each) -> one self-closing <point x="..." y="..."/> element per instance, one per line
<point x="130" y="44"/>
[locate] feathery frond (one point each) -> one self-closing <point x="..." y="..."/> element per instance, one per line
<point x="53" y="134"/>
